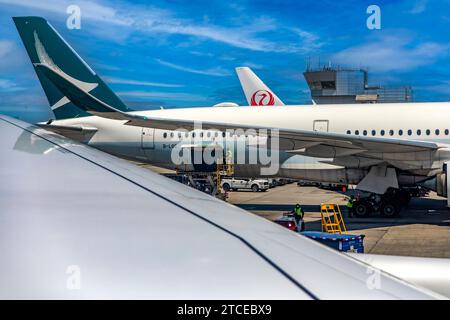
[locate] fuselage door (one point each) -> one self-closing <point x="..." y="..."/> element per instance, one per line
<point x="320" y="125"/>
<point x="148" y="138"/>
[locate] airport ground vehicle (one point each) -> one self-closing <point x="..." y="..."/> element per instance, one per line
<point x="306" y="183"/>
<point x="340" y="242"/>
<point x="287" y="221"/>
<point x="332" y="186"/>
<point x="253" y="184"/>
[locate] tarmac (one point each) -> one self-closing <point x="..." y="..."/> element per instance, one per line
<point x="422" y="229"/>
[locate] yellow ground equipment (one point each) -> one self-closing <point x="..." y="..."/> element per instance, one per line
<point x="332" y="221"/>
<point x="223" y="170"/>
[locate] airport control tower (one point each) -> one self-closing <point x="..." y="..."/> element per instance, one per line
<point x="333" y="85"/>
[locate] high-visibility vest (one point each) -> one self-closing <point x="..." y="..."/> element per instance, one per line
<point x="350" y="203"/>
<point x="299" y="212"/>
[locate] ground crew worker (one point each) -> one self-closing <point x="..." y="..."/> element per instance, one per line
<point x="298" y="215"/>
<point x="350" y="206"/>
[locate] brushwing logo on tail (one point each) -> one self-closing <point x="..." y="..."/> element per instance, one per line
<point x="262" y="98"/>
<point x="44" y="58"/>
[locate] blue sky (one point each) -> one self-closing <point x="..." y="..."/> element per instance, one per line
<point x="183" y="53"/>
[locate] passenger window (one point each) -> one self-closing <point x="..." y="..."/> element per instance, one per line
<point x="391" y="132"/>
<point x="419" y="132"/>
<point x="382" y="132"/>
<point x="400" y="132"/>
<point x="365" y="132"/>
<point x="171" y="134"/>
<point x="193" y="134"/>
<point x="357" y="132"/>
<point x="446" y="132"/>
<point x="165" y="135"/>
<point x="437" y="132"/>
<point x="409" y="132"/>
<point x="374" y="132"/>
<point x="349" y="132"/>
<point x="209" y="134"/>
<point x="428" y="132"/>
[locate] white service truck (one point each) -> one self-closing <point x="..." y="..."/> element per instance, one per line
<point x="255" y="185"/>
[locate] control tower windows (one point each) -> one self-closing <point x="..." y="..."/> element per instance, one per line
<point x="328" y="85"/>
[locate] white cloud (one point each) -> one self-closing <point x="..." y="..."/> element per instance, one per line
<point x="153" y="20"/>
<point x="162" y="95"/>
<point x="9" y="86"/>
<point x="6" y="47"/>
<point x="141" y="83"/>
<point x="309" y="40"/>
<point x="391" y="53"/>
<point x="419" y="7"/>
<point x="216" y="72"/>
<point x="252" y="65"/>
<point x="89" y="9"/>
<point x="5" y="84"/>
<point x="11" y="57"/>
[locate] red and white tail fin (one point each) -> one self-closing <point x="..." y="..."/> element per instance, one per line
<point x="256" y="92"/>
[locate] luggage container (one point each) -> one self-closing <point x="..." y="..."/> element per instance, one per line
<point x="340" y="242"/>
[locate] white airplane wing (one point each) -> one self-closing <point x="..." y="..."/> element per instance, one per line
<point x="437" y="277"/>
<point x="256" y="92"/>
<point x="77" y="223"/>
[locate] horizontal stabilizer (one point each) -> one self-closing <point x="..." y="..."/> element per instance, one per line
<point x="78" y="133"/>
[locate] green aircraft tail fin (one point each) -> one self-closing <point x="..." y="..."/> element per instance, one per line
<point x="46" y="47"/>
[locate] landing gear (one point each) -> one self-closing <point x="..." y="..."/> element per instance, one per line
<point x="389" y="210"/>
<point x="362" y="208"/>
<point x="389" y="205"/>
<point x="404" y="197"/>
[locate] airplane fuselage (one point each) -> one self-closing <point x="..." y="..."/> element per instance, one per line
<point x="413" y="121"/>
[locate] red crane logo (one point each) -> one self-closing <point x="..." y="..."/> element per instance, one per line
<point x="262" y="98"/>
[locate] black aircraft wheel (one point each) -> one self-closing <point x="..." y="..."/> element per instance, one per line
<point x="361" y="209"/>
<point x="226" y="187"/>
<point x="389" y="210"/>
